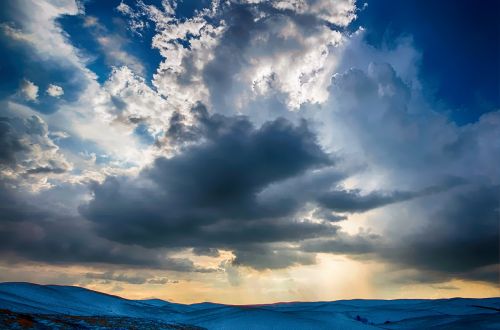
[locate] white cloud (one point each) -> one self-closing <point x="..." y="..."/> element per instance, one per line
<point x="34" y="157"/>
<point x="16" y="34"/>
<point x="85" y="119"/>
<point x="36" y="21"/>
<point x="279" y="56"/>
<point x="338" y="12"/>
<point x="113" y="45"/>
<point x="29" y="90"/>
<point x="302" y="72"/>
<point x="55" y="91"/>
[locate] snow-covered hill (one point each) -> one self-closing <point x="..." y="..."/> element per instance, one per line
<point x="52" y="306"/>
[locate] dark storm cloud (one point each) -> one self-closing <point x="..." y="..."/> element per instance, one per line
<point x="9" y="142"/>
<point x="46" y="169"/>
<point x="460" y="240"/>
<point x="216" y="193"/>
<point x="26" y="147"/>
<point x="328" y="215"/>
<point x="205" y="197"/>
<point x="206" y="251"/>
<point x="353" y="201"/>
<point x="272" y="257"/>
<point x="30" y="230"/>
<point x="343" y="243"/>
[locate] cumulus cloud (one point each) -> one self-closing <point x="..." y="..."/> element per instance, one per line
<point x="206" y="195"/>
<point x="231" y="55"/>
<point x="55" y="91"/>
<point x="216" y="193"/>
<point x="450" y="230"/>
<point x="31" y="227"/>
<point x="29" y="90"/>
<point x="353" y="201"/>
<point x="28" y="150"/>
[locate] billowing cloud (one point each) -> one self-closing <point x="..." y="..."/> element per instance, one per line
<point x="206" y="196"/>
<point x="55" y="91"/>
<point x="458" y="240"/>
<point x="29" y="90"/>
<point x="31" y="227"/>
<point x="28" y="150"/>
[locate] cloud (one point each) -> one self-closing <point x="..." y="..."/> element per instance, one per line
<point x="29" y="90"/>
<point x="445" y="287"/>
<point x="206" y="196"/>
<point x="10" y="142"/>
<point x="161" y="280"/>
<point x="111" y="276"/>
<point x="125" y="278"/>
<point x="442" y="232"/>
<point x="206" y="251"/>
<point x="343" y="243"/>
<point x="459" y="239"/>
<point x="353" y="201"/>
<point x="232" y="55"/>
<point x="36" y="47"/>
<point x="113" y="45"/>
<point x="55" y="91"/>
<point x="27" y="149"/>
<point x="31" y="226"/>
<point x="133" y="102"/>
<point x="234" y="186"/>
<point x="272" y="257"/>
<point x="340" y="13"/>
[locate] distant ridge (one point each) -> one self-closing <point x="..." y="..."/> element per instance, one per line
<point x="50" y="305"/>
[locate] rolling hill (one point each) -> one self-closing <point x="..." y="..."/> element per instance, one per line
<point x="32" y="306"/>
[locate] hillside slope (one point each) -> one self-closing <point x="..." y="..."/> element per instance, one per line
<point x="26" y="305"/>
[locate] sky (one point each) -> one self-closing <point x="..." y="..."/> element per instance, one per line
<point x="251" y="151"/>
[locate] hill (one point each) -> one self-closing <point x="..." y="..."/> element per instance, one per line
<point x="27" y="305"/>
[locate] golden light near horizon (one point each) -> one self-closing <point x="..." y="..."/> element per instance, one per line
<point x="336" y="277"/>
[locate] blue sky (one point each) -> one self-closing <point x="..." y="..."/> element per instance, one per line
<point x="231" y="145"/>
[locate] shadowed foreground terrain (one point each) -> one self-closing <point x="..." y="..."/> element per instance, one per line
<point x="32" y="306"/>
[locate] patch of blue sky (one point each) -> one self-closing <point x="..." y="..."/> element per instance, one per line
<point x="19" y="63"/>
<point x="459" y="43"/>
<point x="188" y="8"/>
<point x="115" y="26"/>
<point x="82" y="38"/>
<point x="84" y="148"/>
<point x="142" y="132"/>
